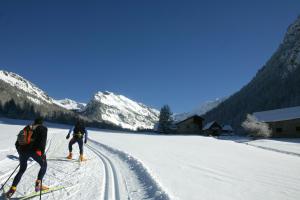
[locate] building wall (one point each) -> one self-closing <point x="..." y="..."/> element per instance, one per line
<point x="288" y="128"/>
<point x="190" y="126"/>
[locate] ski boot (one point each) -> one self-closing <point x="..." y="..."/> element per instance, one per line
<point x="81" y="158"/>
<point x="10" y="192"/>
<point x="70" y="156"/>
<point x="39" y="187"/>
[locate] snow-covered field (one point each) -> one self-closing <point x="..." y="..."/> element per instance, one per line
<point x="141" y="166"/>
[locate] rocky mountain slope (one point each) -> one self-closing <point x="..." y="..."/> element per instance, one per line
<point x="121" y="111"/>
<point x="276" y="84"/>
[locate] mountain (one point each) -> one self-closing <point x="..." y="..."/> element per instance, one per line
<point x="13" y="86"/>
<point x="276" y="85"/>
<point x="21" y="99"/>
<point x="200" y="110"/>
<point x="19" y="85"/>
<point x="121" y="111"/>
<point x="71" y="105"/>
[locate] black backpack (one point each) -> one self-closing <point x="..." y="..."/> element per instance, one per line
<point x="79" y="131"/>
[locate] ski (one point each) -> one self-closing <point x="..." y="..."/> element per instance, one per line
<point x="68" y="160"/>
<point x="35" y="194"/>
<point x="62" y="159"/>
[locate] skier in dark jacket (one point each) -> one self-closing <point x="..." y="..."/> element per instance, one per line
<point x="35" y="149"/>
<point x="79" y="131"/>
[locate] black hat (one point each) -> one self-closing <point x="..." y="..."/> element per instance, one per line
<point x="38" y="120"/>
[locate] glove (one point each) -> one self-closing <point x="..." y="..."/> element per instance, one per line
<point x="85" y="141"/>
<point x="38" y="152"/>
<point x="44" y="156"/>
<point x="68" y="136"/>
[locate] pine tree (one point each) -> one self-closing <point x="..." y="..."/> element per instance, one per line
<point x="10" y="108"/>
<point x="165" y="120"/>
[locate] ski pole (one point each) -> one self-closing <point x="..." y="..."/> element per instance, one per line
<point x="10" y="176"/>
<point x="42" y="179"/>
<point x="41" y="189"/>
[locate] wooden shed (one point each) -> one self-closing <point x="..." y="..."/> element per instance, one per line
<point x="283" y="122"/>
<point x="227" y="129"/>
<point x="212" y="128"/>
<point x="190" y="125"/>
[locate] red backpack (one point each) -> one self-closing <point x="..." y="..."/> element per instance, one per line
<point x="25" y="136"/>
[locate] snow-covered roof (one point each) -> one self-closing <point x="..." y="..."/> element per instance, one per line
<point x="227" y="128"/>
<point x="208" y="125"/>
<point x="278" y="115"/>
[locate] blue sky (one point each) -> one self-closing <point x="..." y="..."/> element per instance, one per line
<point x="157" y="52"/>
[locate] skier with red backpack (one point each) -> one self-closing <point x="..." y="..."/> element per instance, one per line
<point x="79" y="131"/>
<point x="31" y="143"/>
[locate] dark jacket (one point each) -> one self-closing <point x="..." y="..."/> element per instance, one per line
<point x="39" y="140"/>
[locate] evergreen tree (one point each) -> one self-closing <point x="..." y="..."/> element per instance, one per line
<point x="10" y="108"/>
<point x="165" y="120"/>
<point x="1" y="108"/>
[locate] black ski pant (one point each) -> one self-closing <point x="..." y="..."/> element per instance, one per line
<point x="23" y="158"/>
<point x="80" y="144"/>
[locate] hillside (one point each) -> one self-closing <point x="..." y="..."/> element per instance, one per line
<point x="276" y="84"/>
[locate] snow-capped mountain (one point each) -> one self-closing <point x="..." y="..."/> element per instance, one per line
<point x="33" y="93"/>
<point x="19" y="98"/>
<point x="200" y="110"/>
<point x="104" y="107"/>
<point x="71" y="104"/>
<point x="121" y="111"/>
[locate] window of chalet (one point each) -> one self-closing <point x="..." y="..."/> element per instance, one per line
<point x="278" y="130"/>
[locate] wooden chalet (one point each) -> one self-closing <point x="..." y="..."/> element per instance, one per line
<point x="212" y="128"/>
<point x="190" y="125"/>
<point x="283" y="122"/>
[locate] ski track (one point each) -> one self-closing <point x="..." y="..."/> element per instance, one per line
<point x="271" y="149"/>
<point x="111" y="190"/>
<point x="149" y="188"/>
<point x="108" y="174"/>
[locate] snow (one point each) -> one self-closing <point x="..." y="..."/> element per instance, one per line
<point x="148" y="166"/>
<point x="288" y="146"/>
<point x="278" y="115"/>
<point x="120" y="101"/>
<point x="227" y="128"/>
<point x="117" y="109"/>
<point x="35" y="94"/>
<point x="125" y="112"/>
<point x="208" y="125"/>
<point x="70" y="104"/>
<point x="196" y="166"/>
<point x="34" y="100"/>
<point x="19" y="82"/>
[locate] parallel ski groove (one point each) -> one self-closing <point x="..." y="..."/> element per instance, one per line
<point x="114" y="179"/>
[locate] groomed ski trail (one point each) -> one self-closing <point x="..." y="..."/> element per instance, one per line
<point x="106" y="175"/>
<point x="110" y="191"/>
<point x="134" y="180"/>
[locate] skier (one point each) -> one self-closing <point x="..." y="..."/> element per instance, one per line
<point x="79" y="131"/>
<point x="31" y="143"/>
